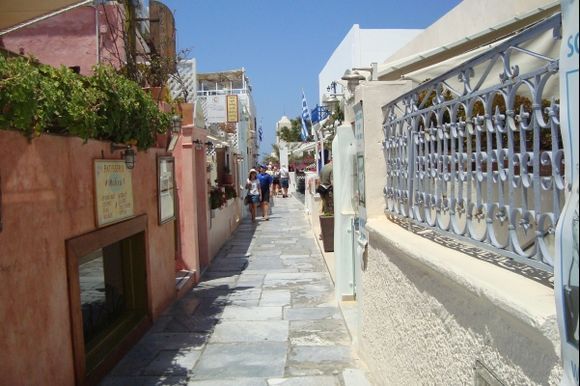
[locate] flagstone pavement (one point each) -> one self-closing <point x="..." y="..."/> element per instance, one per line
<point x="264" y="314"/>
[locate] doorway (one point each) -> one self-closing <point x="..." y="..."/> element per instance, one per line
<point x="108" y="295"/>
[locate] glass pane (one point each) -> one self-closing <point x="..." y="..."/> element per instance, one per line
<point x="102" y="290"/>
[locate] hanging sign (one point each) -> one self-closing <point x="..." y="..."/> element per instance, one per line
<point x="232" y="108"/>
<point x="215" y="108"/>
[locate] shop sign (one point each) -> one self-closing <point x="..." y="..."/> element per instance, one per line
<point x="113" y="191"/>
<point x="232" y="108"/>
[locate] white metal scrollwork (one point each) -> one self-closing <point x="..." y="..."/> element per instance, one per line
<point x="477" y="151"/>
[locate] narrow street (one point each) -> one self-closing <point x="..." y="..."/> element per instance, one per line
<point x="264" y="314"/>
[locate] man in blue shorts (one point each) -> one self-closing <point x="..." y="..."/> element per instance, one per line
<point x="265" y="186"/>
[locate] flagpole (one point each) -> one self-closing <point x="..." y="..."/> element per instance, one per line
<point x="321" y="149"/>
<point x="316" y="157"/>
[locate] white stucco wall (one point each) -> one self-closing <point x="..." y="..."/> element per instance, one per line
<point x="223" y="224"/>
<point x="467" y="18"/>
<point x="359" y="48"/>
<point x="429" y="312"/>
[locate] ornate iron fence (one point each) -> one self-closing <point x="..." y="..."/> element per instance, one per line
<point x="481" y="156"/>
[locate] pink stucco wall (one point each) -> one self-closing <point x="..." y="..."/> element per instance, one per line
<point x="47" y="196"/>
<point x="188" y="251"/>
<point x="70" y="39"/>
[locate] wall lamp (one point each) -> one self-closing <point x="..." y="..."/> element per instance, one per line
<point x="175" y="124"/>
<point x="128" y="154"/>
<point x="199" y="144"/>
<point x="331" y="102"/>
<point x="353" y="78"/>
<point x="332" y="87"/>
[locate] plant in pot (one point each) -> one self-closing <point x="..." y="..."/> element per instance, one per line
<point x="228" y="178"/>
<point x="327" y="219"/>
<point x="230" y="192"/>
<point x="215" y="198"/>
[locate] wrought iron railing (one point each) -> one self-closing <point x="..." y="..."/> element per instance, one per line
<point x="477" y="151"/>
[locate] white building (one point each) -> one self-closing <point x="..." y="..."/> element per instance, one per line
<point x="230" y="114"/>
<point x="359" y="48"/>
<point x="440" y="301"/>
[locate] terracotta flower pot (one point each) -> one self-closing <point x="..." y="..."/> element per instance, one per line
<point x="327" y="231"/>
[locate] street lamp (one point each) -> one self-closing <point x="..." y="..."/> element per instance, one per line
<point x="353" y="78"/>
<point x="175" y="131"/>
<point x="331" y="103"/>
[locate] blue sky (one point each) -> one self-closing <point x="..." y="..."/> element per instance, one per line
<point x="284" y="44"/>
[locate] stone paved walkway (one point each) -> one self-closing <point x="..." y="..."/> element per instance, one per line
<point x="264" y="314"/>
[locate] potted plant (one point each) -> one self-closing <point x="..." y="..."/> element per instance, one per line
<point x="327" y="220"/>
<point x="230" y="192"/>
<point x="228" y="178"/>
<point x="216" y="199"/>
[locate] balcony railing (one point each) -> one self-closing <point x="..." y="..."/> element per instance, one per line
<point x="477" y="151"/>
<point x="224" y="91"/>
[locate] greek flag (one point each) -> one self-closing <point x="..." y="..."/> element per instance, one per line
<point x="260" y="132"/>
<point x="305" y="116"/>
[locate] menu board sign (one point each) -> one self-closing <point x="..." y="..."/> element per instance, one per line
<point x="113" y="191"/>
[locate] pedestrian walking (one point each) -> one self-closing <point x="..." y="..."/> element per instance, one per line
<point x="325" y="188"/>
<point x="254" y="194"/>
<point x="284" y="178"/>
<point x="276" y="181"/>
<point x="265" y="188"/>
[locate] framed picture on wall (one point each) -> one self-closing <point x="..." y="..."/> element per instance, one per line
<point x="166" y="188"/>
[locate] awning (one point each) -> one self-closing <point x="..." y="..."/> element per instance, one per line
<point x="15" y="13"/>
<point x="394" y="70"/>
<point x="543" y="46"/>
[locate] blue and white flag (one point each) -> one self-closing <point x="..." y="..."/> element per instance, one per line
<point x="304" y="131"/>
<point x="305" y="117"/>
<point x="260" y="132"/>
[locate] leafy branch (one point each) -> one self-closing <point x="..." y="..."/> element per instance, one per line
<point x="36" y="99"/>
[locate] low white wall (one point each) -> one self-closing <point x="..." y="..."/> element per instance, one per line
<point x="429" y="312"/>
<point x="223" y="224"/>
<point x="313" y="208"/>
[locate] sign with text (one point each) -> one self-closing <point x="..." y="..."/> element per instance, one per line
<point x="232" y="108"/>
<point x="215" y="109"/>
<point x="113" y="191"/>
